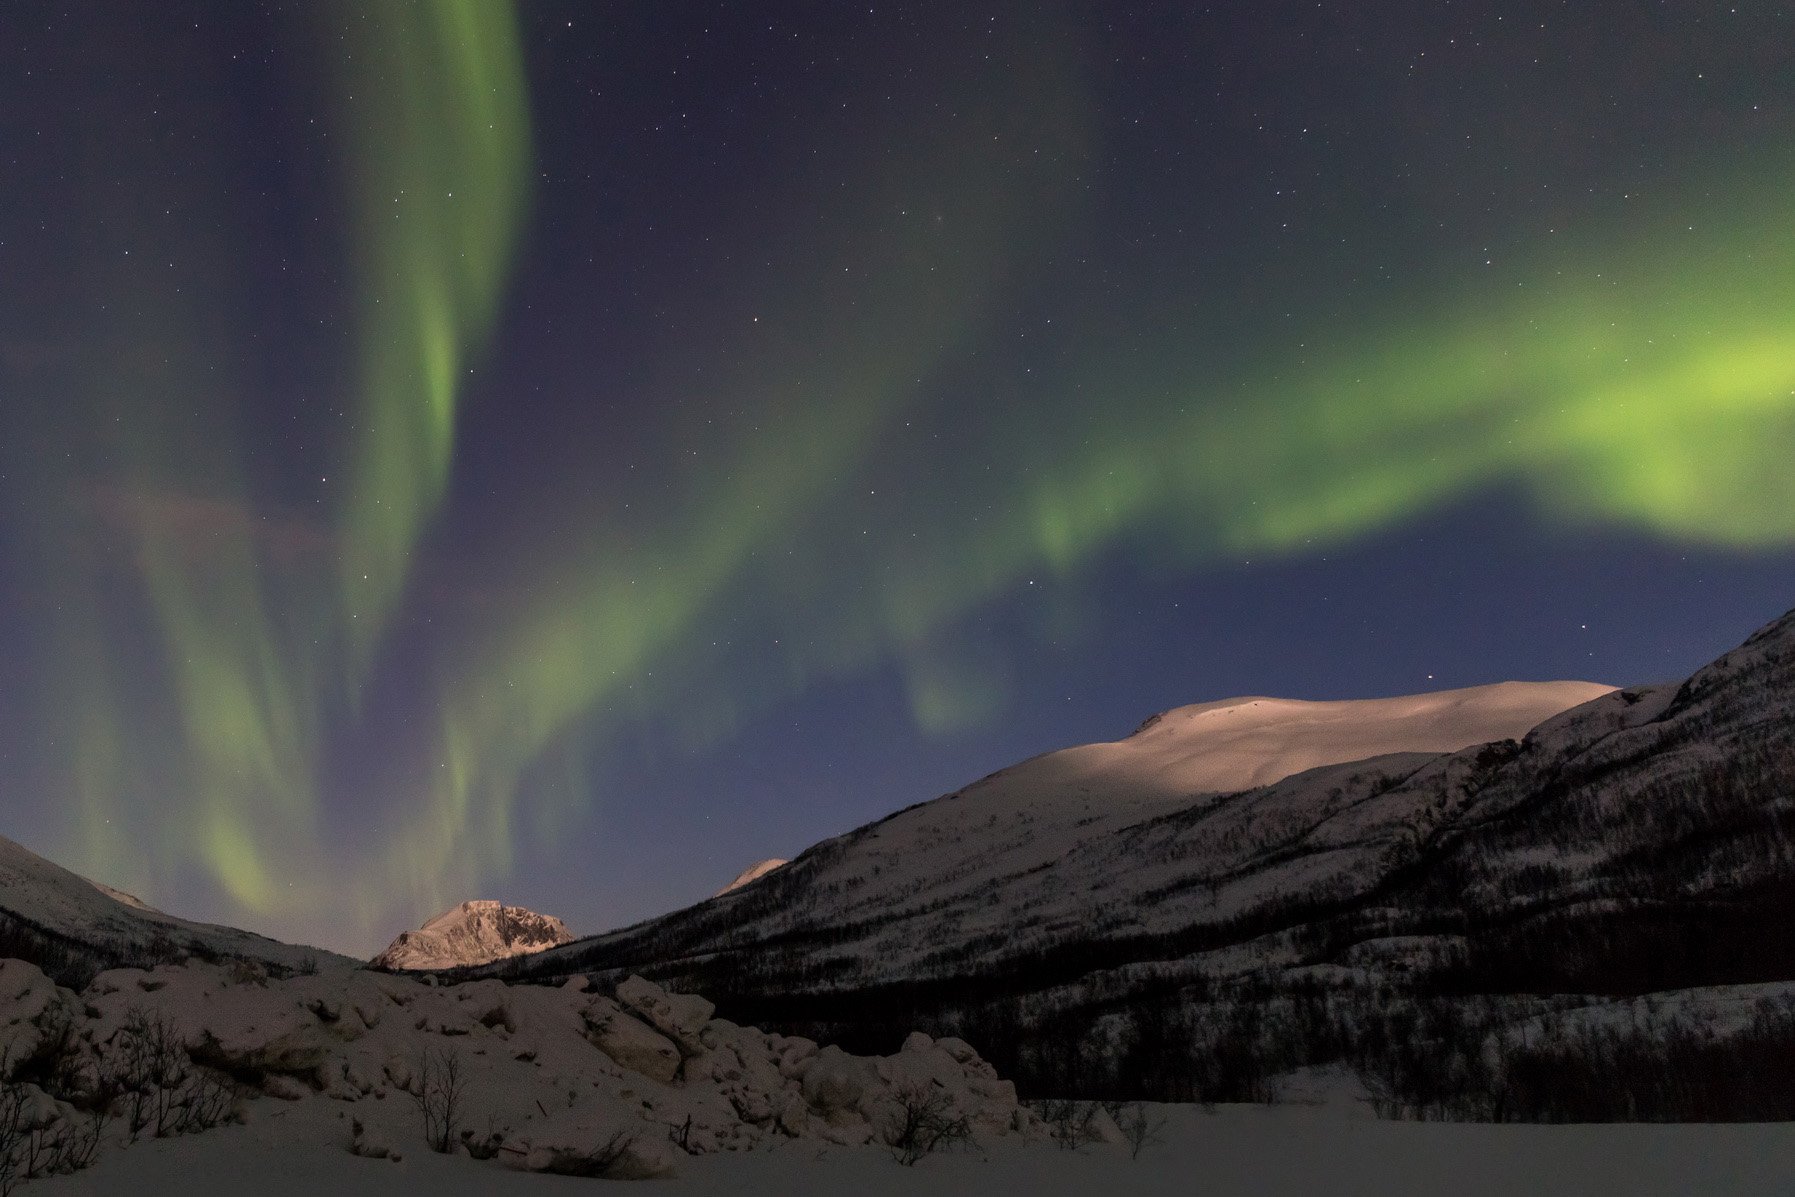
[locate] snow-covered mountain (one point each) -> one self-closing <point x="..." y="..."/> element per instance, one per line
<point x="1139" y="896"/>
<point x="48" y="913"/>
<point x="473" y="933"/>
<point x="753" y="872"/>
<point x="939" y="863"/>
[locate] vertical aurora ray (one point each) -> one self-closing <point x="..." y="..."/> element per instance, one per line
<point x="613" y="636"/>
<point x="436" y="99"/>
<point x="198" y="627"/>
<point x="190" y="719"/>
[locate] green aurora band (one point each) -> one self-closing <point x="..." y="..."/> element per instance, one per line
<point x="1646" y="381"/>
<point x="440" y="113"/>
<point x="1660" y="397"/>
<point x="208" y="756"/>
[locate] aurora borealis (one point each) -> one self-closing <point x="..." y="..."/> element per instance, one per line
<point x="461" y="449"/>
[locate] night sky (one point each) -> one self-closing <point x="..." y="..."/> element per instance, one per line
<point x="567" y="453"/>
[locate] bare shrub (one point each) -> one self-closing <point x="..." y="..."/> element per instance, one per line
<point x="14" y="1127"/>
<point x="1070" y="1124"/>
<point x="1140" y="1127"/>
<point x="439" y="1089"/>
<point x="925" y="1123"/>
<point x="54" y="1143"/>
<point x="38" y="1138"/>
<point x="162" y="1090"/>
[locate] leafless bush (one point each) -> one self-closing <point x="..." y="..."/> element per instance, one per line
<point x="924" y="1124"/>
<point x="439" y="1089"/>
<point x="60" y="1143"/>
<point x="163" y="1092"/>
<point x="1071" y="1124"/>
<point x="14" y="1124"/>
<point x="1140" y="1127"/>
<point x="37" y="1138"/>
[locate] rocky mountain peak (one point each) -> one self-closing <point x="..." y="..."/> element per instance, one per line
<point x="474" y="932"/>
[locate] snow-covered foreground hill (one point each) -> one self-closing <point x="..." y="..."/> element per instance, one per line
<point x="625" y="1084"/>
<point x="1106" y="921"/>
<point x="1236" y="1151"/>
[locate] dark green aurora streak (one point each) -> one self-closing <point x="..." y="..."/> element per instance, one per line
<point x="1642" y="377"/>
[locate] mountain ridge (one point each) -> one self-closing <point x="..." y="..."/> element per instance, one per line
<point x="76" y="926"/>
<point x="1638" y="842"/>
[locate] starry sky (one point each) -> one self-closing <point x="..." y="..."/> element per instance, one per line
<point x="567" y="452"/>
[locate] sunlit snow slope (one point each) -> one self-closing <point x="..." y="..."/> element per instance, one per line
<point x="753" y="872"/>
<point x="1032" y="854"/>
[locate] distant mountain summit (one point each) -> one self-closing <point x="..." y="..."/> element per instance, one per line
<point x="753" y="872"/>
<point x="476" y="932"/>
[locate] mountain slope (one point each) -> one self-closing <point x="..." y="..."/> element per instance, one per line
<point x="1091" y="904"/>
<point x="473" y="933"/>
<point x="75" y="926"/>
<point x="919" y="883"/>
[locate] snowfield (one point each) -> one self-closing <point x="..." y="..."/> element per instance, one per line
<point x="301" y="1151"/>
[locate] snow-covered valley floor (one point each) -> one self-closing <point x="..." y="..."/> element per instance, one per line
<point x="302" y="1149"/>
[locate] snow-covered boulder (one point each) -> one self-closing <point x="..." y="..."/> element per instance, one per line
<point x="554" y="1079"/>
<point x="627" y="1159"/>
<point x="836" y="1082"/>
<point x="679" y="1016"/>
<point x="32" y="1011"/>
<point x="631" y="1043"/>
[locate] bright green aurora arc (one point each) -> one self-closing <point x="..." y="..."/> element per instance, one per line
<point x="303" y="646"/>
